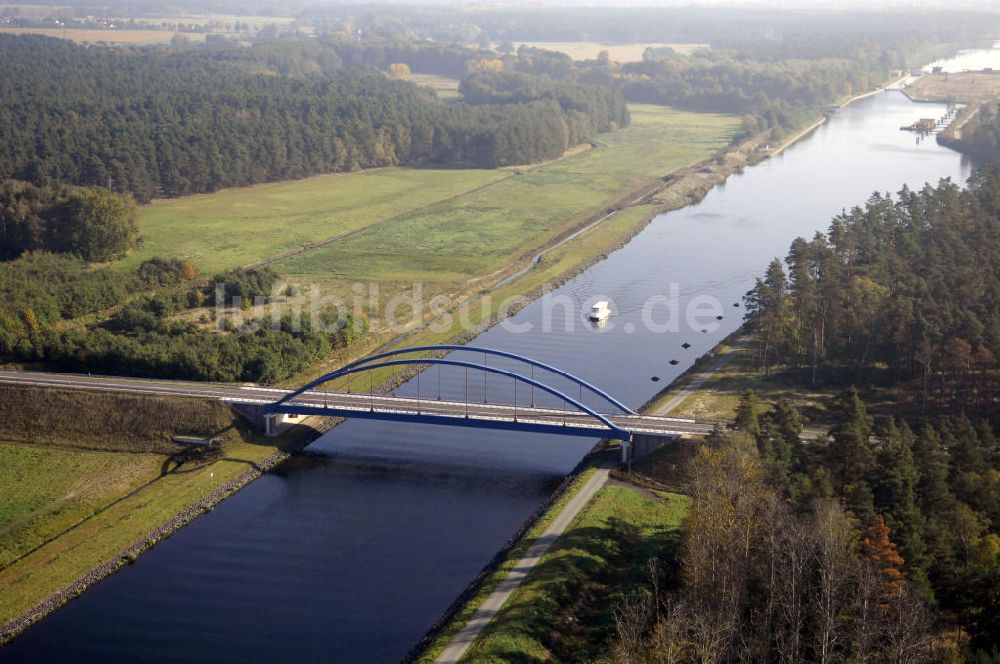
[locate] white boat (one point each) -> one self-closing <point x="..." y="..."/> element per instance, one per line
<point x="600" y="311"/>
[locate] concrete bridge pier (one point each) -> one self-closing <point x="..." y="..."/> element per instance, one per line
<point x="276" y="424"/>
<point x="642" y="445"/>
<point x="272" y="424"/>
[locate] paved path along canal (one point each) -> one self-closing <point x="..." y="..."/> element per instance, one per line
<point x="495" y="601"/>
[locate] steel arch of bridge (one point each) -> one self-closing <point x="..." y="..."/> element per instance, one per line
<point x="379" y="361"/>
<point x="593" y="389"/>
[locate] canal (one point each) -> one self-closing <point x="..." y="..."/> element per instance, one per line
<point x="350" y="551"/>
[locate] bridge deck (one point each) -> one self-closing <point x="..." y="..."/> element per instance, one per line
<point x="407" y="409"/>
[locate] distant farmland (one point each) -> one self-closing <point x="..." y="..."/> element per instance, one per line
<point x="617" y="52"/>
<point x="446" y="88"/>
<point x="85" y="36"/>
<point x="968" y="87"/>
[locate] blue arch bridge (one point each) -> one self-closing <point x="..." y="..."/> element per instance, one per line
<point x="541" y="401"/>
<point x="527" y="396"/>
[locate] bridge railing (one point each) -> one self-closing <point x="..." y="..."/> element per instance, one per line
<point x="381" y="361"/>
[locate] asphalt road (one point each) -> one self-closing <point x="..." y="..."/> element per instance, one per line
<point x="339" y="403"/>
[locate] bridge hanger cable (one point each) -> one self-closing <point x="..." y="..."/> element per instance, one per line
<point x="370" y="368"/>
<point x="499" y="353"/>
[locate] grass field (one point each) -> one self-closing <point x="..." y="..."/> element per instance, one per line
<point x="85" y="36"/>
<point x="463" y="246"/>
<point x="717" y="397"/>
<point x="563" y="610"/>
<point x="616" y="52"/>
<point x="469" y="234"/>
<point x="255" y="22"/>
<point x="446" y="88"/>
<point x="234" y="227"/>
<point x="46" y="489"/>
<point x="457" y="246"/>
<point x="554" y="265"/>
<point x="482" y="232"/>
<point x="43" y="491"/>
<point x="98" y="539"/>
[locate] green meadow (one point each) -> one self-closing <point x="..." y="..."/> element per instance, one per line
<point x="43" y="490"/>
<point x="428" y="224"/>
<point x="483" y="231"/>
<point x="236" y="227"/>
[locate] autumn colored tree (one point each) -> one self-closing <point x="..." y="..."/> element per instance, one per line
<point x="493" y="65"/>
<point x="399" y="71"/>
<point x="894" y="487"/>
<point x="881" y="550"/>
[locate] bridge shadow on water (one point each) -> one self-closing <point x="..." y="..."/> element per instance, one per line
<point x="416" y="471"/>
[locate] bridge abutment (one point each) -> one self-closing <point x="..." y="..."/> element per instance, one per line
<point x="271" y="424"/>
<point x="642" y="445"/>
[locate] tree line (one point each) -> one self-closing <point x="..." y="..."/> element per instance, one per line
<point x="90" y="222"/>
<point x="775" y="93"/>
<point x="165" y="122"/>
<point x="143" y="329"/>
<point x="869" y="545"/>
<point x="777" y="68"/>
<point x="900" y="290"/>
<point x="430" y="57"/>
<point x="722" y="27"/>
<point x="156" y="122"/>
<point x="979" y="137"/>
<point x="774" y="86"/>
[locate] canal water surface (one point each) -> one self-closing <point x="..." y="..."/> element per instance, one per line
<point x="351" y="551"/>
